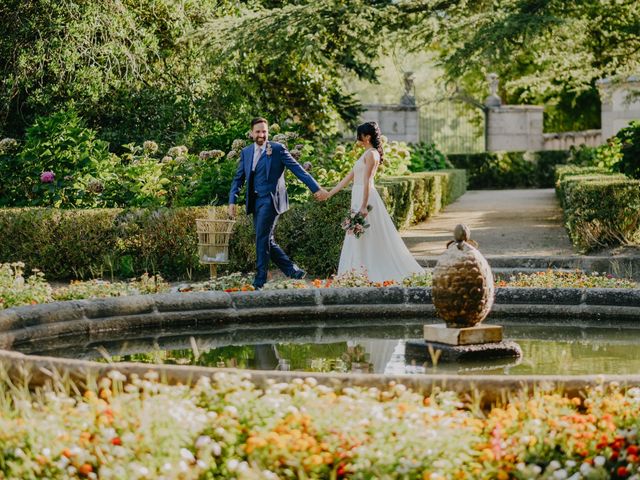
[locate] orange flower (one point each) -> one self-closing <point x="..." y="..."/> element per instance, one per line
<point x="85" y="469"/>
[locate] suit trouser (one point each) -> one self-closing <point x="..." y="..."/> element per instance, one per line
<point x="265" y="218"/>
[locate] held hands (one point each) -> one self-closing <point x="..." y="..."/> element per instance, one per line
<point x="321" y="195"/>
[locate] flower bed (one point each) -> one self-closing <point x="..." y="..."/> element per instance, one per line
<point x="16" y="290"/>
<point x="225" y="427"/>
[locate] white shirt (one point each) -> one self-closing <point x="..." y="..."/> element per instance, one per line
<point x="257" y="152"/>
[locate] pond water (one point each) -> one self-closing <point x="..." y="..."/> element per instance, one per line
<point x="570" y="348"/>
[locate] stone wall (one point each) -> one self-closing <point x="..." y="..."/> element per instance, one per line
<point x="397" y="122"/>
<point x="566" y="140"/>
<point x="620" y="103"/>
<point x="514" y="128"/>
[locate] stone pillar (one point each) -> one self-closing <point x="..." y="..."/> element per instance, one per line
<point x="620" y="104"/>
<point x="397" y="122"/>
<point x="514" y="128"/>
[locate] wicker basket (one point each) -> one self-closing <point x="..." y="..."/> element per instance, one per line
<point x="214" y="233"/>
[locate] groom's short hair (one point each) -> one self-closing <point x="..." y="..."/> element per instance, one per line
<point x="257" y="120"/>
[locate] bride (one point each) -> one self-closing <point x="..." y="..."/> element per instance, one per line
<point x="380" y="253"/>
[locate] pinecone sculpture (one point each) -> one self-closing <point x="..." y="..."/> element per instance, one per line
<point x="463" y="287"/>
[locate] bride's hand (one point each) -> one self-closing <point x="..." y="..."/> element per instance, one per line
<point x="364" y="211"/>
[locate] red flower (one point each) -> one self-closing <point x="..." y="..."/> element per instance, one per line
<point x="622" y="472"/>
<point x="116" y="441"/>
<point x="633" y="450"/>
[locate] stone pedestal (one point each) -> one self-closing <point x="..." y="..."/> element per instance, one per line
<point x="463" y="336"/>
<point x="514" y="128"/>
<point x="486" y="354"/>
<point x="482" y="343"/>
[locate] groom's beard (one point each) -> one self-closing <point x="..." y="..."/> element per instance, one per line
<point x="260" y="141"/>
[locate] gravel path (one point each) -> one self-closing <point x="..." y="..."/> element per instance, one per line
<point x="503" y="222"/>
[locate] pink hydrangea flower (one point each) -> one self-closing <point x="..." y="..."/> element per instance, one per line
<point x="47" y="177"/>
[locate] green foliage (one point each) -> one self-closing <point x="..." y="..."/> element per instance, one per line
<point x="296" y="54"/>
<point x="124" y="64"/>
<point x="427" y="156"/>
<point x="600" y="210"/>
<point x="629" y="138"/>
<point x="77" y="161"/>
<point x="102" y="242"/>
<point x="545" y="52"/>
<point x="510" y="169"/>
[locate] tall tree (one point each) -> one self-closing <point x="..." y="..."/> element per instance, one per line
<point x="289" y="60"/>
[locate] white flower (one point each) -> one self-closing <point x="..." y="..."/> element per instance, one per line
<point x="202" y="441"/>
<point x="560" y="474"/>
<point x="553" y="466"/>
<point x="216" y="449"/>
<point x="150" y="146"/>
<point x="232" y="465"/>
<point x="187" y="455"/>
<point x="585" y="469"/>
<point x="599" y="461"/>
<point x="231" y="410"/>
<point x="116" y="376"/>
<point x="142" y="471"/>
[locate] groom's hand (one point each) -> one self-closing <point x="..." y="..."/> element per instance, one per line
<point x="232" y="210"/>
<point x="321" y="195"/>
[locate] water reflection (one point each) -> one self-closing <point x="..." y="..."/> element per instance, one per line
<point x="363" y="347"/>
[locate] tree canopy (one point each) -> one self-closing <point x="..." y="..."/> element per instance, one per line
<point x="185" y="70"/>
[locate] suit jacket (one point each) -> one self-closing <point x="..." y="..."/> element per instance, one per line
<point x="276" y="163"/>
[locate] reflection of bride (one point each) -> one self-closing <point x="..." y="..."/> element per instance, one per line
<point x="386" y="356"/>
<point x="380" y="251"/>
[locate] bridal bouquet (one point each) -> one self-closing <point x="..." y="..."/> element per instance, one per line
<point x="355" y="224"/>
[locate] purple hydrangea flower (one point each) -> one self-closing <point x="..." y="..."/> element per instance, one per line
<point x="47" y="177"/>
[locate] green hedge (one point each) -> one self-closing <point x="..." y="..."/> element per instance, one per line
<point x="601" y="209"/>
<point x="125" y="243"/>
<point x="510" y="169"/>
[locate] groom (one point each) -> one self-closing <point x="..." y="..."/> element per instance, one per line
<point x="262" y="166"/>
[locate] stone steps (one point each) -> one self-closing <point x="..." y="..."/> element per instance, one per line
<point x="619" y="266"/>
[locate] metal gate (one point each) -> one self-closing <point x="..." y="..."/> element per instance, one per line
<point x="454" y="126"/>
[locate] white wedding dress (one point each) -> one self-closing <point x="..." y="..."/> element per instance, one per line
<point x="379" y="252"/>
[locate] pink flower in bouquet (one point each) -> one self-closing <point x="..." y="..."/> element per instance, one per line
<point x="355" y="224"/>
<point x="47" y="177"/>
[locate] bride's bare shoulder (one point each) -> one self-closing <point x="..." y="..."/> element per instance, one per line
<point x="372" y="154"/>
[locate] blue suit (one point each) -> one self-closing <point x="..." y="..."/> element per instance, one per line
<point x="266" y="199"/>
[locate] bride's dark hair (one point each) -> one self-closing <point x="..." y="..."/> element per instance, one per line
<point x="372" y="129"/>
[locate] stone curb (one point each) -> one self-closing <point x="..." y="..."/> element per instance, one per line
<point x="219" y="309"/>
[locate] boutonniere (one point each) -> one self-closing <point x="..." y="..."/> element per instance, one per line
<point x="269" y="151"/>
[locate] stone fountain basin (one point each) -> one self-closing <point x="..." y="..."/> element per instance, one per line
<point x="60" y="322"/>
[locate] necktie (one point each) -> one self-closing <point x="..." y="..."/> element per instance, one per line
<point x="256" y="157"/>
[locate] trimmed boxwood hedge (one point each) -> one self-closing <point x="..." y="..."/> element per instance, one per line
<point x="601" y="209"/>
<point x="496" y="170"/>
<point x="125" y="243"/>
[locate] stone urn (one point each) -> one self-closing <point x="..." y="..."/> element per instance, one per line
<point x="463" y="286"/>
